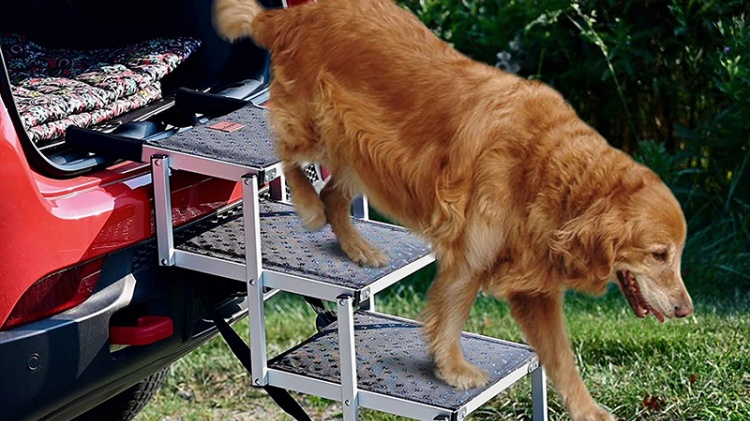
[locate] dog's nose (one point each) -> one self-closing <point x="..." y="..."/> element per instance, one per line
<point x="683" y="310"/>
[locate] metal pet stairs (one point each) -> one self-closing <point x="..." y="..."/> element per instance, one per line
<point x="364" y="359"/>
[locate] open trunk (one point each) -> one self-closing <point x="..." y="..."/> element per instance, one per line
<point x="115" y="67"/>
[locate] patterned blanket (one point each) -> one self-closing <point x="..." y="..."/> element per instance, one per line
<point x="56" y="88"/>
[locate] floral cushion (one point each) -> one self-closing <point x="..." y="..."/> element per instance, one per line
<point x="56" y="88"/>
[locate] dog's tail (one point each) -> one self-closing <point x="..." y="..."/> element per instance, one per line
<point x="236" y="19"/>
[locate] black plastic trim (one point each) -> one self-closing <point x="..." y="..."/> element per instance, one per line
<point x="207" y="103"/>
<point x="108" y="145"/>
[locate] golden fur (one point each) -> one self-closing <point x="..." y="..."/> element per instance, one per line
<point x="517" y="195"/>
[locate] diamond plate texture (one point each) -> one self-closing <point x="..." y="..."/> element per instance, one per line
<point x="289" y="248"/>
<point x="251" y="146"/>
<point x="392" y="360"/>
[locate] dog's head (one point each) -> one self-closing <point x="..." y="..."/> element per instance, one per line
<point x="647" y="264"/>
<point x="636" y="236"/>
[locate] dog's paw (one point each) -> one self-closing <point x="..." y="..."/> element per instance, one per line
<point x="596" y="413"/>
<point x="313" y="215"/>
<point x="364" y="254"/>
<point x="463" y="376"/>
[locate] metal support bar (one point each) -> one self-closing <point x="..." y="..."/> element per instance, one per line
<point x="278" y="189"/>
<point x="539" y="394"/>
<point x="210" y="265"/>
<point x="360" y="208"/>
<point x="304" y="286"/>
<point x="492" y="391"/>
<point x="372" y="400"/>
<point x="163" y="209"/>
<point x="206" y="166"/>
<point x="348" y="358"/>
<point x="256" y="313"/>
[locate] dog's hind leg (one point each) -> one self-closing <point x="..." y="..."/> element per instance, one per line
<point x="540" y="318"/>
<point x="449" y="303"/>
<point x="337" y="200"/>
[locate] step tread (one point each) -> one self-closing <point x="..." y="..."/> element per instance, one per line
<point x="392" y="360"/>
<point x="251" y="146"/>
<point x="289" y="248"/>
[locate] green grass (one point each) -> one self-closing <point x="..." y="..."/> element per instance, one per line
<point x="698" y="368"/>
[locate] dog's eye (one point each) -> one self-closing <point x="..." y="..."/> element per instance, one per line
<point x="660" y="255"/>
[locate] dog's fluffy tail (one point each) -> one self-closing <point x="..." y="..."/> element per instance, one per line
<point x="235" y="19"/>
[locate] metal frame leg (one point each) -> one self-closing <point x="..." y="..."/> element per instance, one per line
<point x="278" y="189"/>
<point x="539" y="394"/>
<point x="256" y="311"/>
<point x="348" y="359"/>
<point x="360" y="208"/>
<point x="163" y="209"/>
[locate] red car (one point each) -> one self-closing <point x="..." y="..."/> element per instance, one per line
<point x="88" y="322"/>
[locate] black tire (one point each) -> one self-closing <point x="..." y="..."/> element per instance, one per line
<point x="128" y="403"/>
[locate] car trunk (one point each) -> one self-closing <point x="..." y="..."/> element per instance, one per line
<point x="114" y="67"/>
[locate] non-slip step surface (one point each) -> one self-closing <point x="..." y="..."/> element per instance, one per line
<point x="392" y="360"/>
<point x="252" y="145"/>
<point x="287" y="247"/>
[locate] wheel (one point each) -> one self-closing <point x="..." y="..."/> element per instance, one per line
<point x="128" y="403"/>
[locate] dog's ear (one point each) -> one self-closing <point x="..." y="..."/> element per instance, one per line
<point x="585" y="246"/>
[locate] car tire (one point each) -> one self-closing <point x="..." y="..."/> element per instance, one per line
<point x="128" y="403"/>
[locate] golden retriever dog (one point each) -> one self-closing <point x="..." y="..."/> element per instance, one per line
<point x="517" y="195"/>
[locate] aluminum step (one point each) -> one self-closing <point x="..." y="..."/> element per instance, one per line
<point x="394" y="372"/>
<point x="297" y="260"/>
<point x="245" y="148"/>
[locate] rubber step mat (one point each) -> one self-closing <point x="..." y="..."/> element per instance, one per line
<point x="287" y="247"/>
<point x="392" y="360"/>
<point x="243" y="137"/>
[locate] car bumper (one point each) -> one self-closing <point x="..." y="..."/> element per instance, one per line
<point x="60" y="367"/>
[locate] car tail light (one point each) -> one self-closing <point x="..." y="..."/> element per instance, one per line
<point x="56" y="293"/>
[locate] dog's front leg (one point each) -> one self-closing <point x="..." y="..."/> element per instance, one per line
<point x="541" y="319"/>
<point x="337" y="201"/>
<point x="449" y="303"/>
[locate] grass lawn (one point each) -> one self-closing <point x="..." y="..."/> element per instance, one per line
<point x="692" y="369"/>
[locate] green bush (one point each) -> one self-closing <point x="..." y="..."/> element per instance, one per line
<point x="668" y="81"/>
